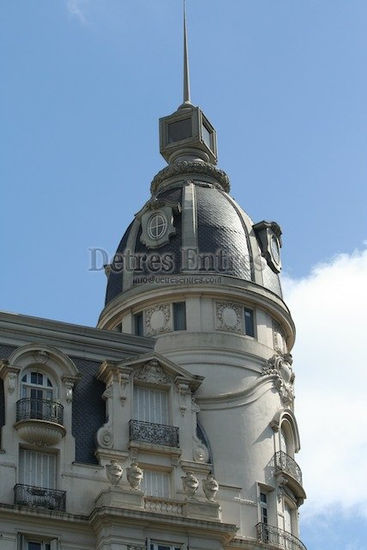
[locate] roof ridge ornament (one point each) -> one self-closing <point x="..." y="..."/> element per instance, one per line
<point x="186" y="67"/>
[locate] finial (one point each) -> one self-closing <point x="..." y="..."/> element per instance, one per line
<point x="186" y="82"/>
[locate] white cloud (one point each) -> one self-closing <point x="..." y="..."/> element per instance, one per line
<point x="77" y="9"/>
<point x="330" y="360"/>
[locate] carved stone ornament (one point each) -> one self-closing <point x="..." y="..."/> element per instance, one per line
<point x="69" y="386"/>
<point x="134" y="476"/>
<point x="184" y="392"/>
<point x="278" y="338"/>
<point x="210" y="487"/>
<point x="157" y="222"/>
<point x="12" y="382"/>
<point x="191" y="168"/>
<point x="229" y="317"/>
<point x="41" y="356"/>
<point x="200" y="451"/>
<point x="157" y="319"/>
<point x="124" y="381"/>
<point x="114" y="472"/>
<point x="105" y="437"/>
<point x="153" y="373"/>
<point x="190" y="484"/>
<point x="281" y="366"/>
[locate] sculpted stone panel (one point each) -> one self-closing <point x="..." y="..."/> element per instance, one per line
<point x="153" y="373"/>
<point x="157" y="320"/>
<point x="229" y="317"/>
<point x="279" y="340"/>
<point x="280" y="365"/>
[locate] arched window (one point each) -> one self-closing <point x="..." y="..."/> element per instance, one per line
<point x="36" y="385"/>
<point x="283" y="442"/>
<point x="37" y="395"/>
<point x="286" y="437"/>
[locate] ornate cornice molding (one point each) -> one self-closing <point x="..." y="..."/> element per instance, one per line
<point x="185" y="167"/>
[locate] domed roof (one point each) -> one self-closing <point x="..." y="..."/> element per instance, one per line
<point x="191" y="226"/>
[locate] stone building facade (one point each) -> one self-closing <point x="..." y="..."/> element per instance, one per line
<point x="171" y="425"/>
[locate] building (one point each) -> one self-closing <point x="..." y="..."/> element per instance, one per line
<point x="171" y="425"/>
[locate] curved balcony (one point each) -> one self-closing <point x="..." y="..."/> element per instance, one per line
<point x="287" y="466"/>
<point x="40" y="421"/>
<point x="274" y="537"/>
<point x="158" y="434"/>
<point x="39" y="497"/>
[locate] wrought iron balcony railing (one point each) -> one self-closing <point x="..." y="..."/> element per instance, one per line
<point x="159" y="434"/>
<point x="40" y="409"/>
<point x="287" y="464"/>
<point x="29" y="495"/>
<point x="277" y="537"/>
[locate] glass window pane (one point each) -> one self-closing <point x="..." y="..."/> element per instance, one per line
<point x="207" y="137"/>
<point x="181" y="129"/>
<point x="179" y="316"/>
<point x="138" y="321"/>
<point x="34" y="546"/>
<point x="249" y="322"/>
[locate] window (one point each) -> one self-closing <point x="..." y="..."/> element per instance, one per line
<point x="179" y="316"/>
<point x="138" y="324"/>
<point x="164" y="546"/>
<point x="36" y="386"/>
<point x="31" y="542"/>
<point x="207" y="136"/>
<point x="37" y="545"/>
<point x="37" y="469"/>
<point x="283" y="442"/>
<point x="156" y="484"/>
<point x="151" y="405"/>
<point x="264" y="508"/>
<point x="181" y="129"/>
<point x="287" y="518"/>
<point x="157" y="226"/>
<point x="249" y="322"/>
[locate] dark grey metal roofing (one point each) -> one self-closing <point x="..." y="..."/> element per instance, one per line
<point x="220" y="227"/>
<point x="88" y="410"/>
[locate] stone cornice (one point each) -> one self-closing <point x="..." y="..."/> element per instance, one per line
<point x="75" y="340"/>
<point x="190" y="168"/>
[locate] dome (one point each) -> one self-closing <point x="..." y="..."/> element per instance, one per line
<point x="192" y="227"/>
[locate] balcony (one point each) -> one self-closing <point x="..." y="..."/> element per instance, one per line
<point x="157" y="434"/>
<point x="286" y="465"/>
<point x="40" y="421"/>
<point x="39" y="497"/>
<point x="275" y="537"/>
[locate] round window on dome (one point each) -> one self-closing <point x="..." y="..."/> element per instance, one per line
<point x="157" y="226"/>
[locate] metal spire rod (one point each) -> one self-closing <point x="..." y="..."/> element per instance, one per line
<point x="186" y="80"/>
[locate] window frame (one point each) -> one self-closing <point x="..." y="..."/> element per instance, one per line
<point x="250" y="310"/>
<point x="157" y="545"/>
<point x="174" y="317"/>
<point x="138" y="315"/>
<point x="150" y="468"/>
<point x="28" y="385"/>
<point x="47" y="542"/>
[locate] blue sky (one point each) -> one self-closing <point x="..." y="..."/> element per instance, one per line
<point x="83" y="83"/>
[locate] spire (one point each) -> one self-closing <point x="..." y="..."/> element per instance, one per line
<point x="186" y="79"/>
